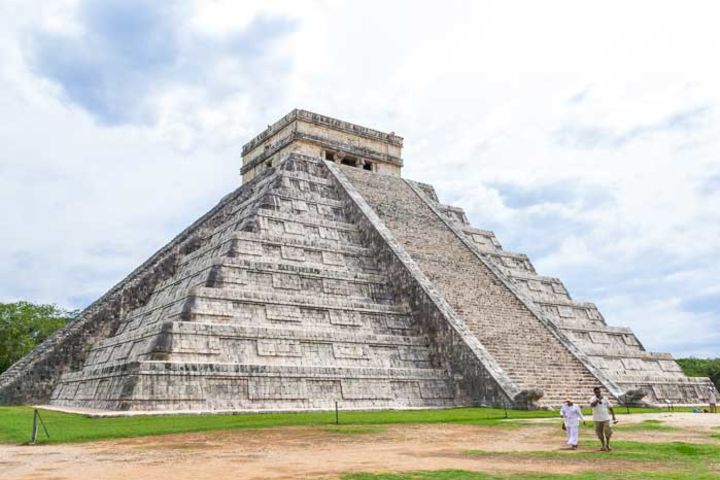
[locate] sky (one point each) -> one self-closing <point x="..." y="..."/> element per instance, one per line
<point x="584" y="134"/>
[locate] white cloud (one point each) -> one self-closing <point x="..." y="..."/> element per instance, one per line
<point x="584" y="135"/>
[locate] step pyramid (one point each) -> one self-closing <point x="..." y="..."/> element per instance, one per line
<point x="326" y="277"/>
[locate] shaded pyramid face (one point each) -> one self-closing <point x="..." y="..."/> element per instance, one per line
<point x="275" y="303"/>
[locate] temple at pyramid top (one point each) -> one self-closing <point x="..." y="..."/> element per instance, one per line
<point x="325" y="137"/>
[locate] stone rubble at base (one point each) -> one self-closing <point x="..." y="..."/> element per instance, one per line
<point x="329" y="278"/>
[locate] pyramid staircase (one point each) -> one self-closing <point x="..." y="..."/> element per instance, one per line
<point x="525" y="347"/>
<point x="614" y="352"/>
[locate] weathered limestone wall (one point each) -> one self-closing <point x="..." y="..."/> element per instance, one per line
<point x="34" y="377"/>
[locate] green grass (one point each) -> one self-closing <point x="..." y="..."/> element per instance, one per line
<point x="651" y="452"/>
<point x="466" y="475"/>
<point x="686" y="460"/>
<point x="645" y="425"/>
<point x="16" y="422"/>
<point x="677" y="460"/>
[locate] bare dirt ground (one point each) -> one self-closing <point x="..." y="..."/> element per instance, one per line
<point x="319" y="452"/>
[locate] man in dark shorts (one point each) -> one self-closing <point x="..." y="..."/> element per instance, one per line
<point x="601" y="416"/>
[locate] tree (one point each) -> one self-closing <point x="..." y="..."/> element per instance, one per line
<point x="701" y="367"/>
<point x="24" y="325"/>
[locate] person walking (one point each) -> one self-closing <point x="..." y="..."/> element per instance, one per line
<point x="571" y="415"/>
<point x="601" y="416"/>
<point x="712" y="400"/>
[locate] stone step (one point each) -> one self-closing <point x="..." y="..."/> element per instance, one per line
<point x="304" y="269"/>
<point x="285" y="321"/>
<point x="299" y="333"/>
<point x="233" y="278"/>
<point x="310" y="198"/>
<point x="615" y="351"/>
<point x="484" y="240"/>
<point x="247" y="249"/>
<point x="539" y="291"/>
<point x="328" y="320"/>
<point x="305" y="177"/>
<point x="267" y="345"/>
<point x="305" y="220"/>
<point x="286" y="189"/>
<point x="601" y="328"/>
<point x="324" y="253"/>
<point x="204" y="295"/>
<point x="581" y="313"/>
<point x="341" y="290"/>
<point x="276" y="371"/>
<point x="510" y="263"/>
<point x="323" y="243"/>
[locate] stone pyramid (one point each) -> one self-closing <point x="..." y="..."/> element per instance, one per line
<point x="327" y="277"/>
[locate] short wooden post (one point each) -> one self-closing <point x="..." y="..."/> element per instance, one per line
<point x="37" y="419"/>
<point x="33" y="437"/>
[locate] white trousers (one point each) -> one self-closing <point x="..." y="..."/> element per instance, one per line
<point x="572" y="434"/>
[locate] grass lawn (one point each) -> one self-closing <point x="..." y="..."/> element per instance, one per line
<point x="466" y="475"/>
<point x="16" y="422"/>
<point x="675" y="452"/>
<point x="652" y="425"/>
<point x="664" y="461"/>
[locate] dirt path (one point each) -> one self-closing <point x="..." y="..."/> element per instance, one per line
<point x="310" y="452"/>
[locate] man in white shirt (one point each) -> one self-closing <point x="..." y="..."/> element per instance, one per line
<point x="571" y="415"/>
<point x="601" y="416"/>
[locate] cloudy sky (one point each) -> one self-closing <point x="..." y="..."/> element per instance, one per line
<point x="585" y="134"/>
